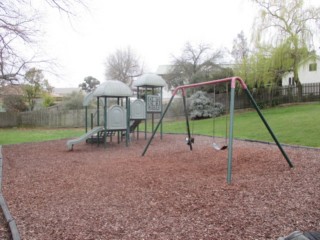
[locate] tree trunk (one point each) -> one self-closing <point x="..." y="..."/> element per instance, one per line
<point x="298" y="83"/>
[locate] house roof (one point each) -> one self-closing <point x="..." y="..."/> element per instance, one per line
<point x="64" y="91"/>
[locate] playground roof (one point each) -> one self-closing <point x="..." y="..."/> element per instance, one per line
<point x="87" y="99"/>
<point x="112" y="88"/>
<point x="149" y="79"/>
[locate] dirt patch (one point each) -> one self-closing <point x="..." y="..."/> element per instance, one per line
<point x="170" y="193"/>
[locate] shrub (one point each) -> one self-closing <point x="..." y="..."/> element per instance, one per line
<point x="203" y="107"/>
<point x="73" y="101"/>
<point x="14" y="103"/>
<point x="48" y="100"/>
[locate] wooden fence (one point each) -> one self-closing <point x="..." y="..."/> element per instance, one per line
<point x="44" y="118"/>
<point x="265" y="97"/>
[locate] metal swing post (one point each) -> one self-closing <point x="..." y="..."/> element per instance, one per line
<point x="255" y="105"/>
<point x="214" y="144"/>
<point x="189" y="139"/>
<point x="231" y="121"/>
<point x="160" y="122"/>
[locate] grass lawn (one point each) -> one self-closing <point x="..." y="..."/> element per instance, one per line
<point x="295" y="124"/>
<point x="21" y="135"/>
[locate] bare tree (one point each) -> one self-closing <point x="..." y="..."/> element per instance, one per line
<point x="18" y="27"/>
<point x="193" y="64"/>
<point x="240" y="49"/>
<point x="240" y="52"/>
<point x="123" y="65"/>
<point x="66" y="6"/>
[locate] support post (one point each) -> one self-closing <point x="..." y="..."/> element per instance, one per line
<point x="91" y="120"/>
<point x="128" y="120"/>
<point x="98" y="113"/>
<point x="105" y="112"/>
<point x="187" y="119"/>
<point x="160" y="122"/>
<point x="161" y="128"/>
<point x="86" y="118"/>
<point x="231" y="120"/>
<point x="255" y="105"/>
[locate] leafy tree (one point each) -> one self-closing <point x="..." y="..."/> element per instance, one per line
<point x="219" y="74"/>
<point x="14" y="103"/>
<point x="47" y="87"/>
<point x="287" y="21"/>
<point x="195" y="64"/>
<point x="89" y="84"/>
<point x="281" y="60"/>
<point x="259" y="74"/>
<point x="123" y="65"/>
<point x="35" y="85"/>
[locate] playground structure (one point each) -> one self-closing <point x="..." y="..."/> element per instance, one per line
<point x="126" y="115"/>
<point x="149" y="86"/>
<point x="190" y="141"/>
<point x="120" y="114"/>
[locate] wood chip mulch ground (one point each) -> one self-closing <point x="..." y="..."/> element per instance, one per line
<point x="170" y="193"/>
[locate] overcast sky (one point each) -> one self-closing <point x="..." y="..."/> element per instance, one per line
<point x="154" y="30"/>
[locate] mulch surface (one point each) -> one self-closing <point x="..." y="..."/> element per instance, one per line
<point x="170" y="193"/>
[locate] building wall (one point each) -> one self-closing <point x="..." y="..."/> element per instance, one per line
<point x="305" y="75"/>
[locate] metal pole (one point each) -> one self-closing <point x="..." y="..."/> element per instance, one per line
<point x="160" y="121"/>
<point x="138" y="125"/>
<point x="161" y="129"/>
<point x="105" y="121"/>
<point x="268" y="127"/>
<point x="230" y="144"/>
<point x="152" y="114"/>
<point x="187" y="119"/>
<point x="98" y="114"/>
<point x="91" y="120"/>
<point x="128" y="120"/>
<point x="86" y="119"/>
<point x="146" y="120"/>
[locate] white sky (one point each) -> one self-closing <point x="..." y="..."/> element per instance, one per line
<point x="154" y="29"/>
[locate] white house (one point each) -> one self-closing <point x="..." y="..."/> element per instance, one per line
<point x="308" y="71"/>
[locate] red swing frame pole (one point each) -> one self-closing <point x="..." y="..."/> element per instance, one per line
<point x="212" y="82"/>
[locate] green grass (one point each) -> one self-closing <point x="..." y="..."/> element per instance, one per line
<point x="296" y="124"/>
<point x="22" y="135"/>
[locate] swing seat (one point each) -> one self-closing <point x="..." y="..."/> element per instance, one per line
<point x="189" y="141"/>
<point x="218" y="148"/>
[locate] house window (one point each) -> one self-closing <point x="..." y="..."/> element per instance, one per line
<point x="312" y="67"/>
<point x="289" y="81"/>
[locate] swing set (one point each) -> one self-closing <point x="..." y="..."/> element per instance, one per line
<point x="229" y="146"/>
<point x="215" y="145"/>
